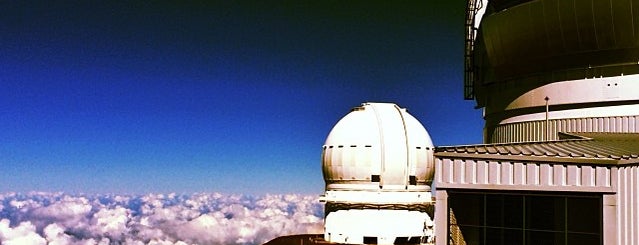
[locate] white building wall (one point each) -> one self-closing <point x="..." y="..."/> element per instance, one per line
<point x="627" y="206"/>
<point x="508" y="175"/>
<point x="536" y="130"/>
<point x="441" y="217"/>
<point x="619" y="186"/>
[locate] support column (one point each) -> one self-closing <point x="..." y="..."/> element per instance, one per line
<point x="610" y="231"/>
<point x="441" y="217"/>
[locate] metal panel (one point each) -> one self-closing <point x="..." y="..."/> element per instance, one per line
<point x="558" y="35"/>
<point x="519" y="174"/>
<point x="546" y="174"/>
<point x="447" y="171"/>
<point x="494" y="173"/>
<point x="611" y="232"/>
<point x="441" y="216"/>
<point x="573" y="175"/>
<point x="602" y="176"/>
<point x="471" y="172"/>
<point x="627" y="205"/>
<point x="532" y="175"/>
<point x="482" y="172"/>
<point x="559" y="175"/>
<point x="506" y="175"/>
<point x="587" y="176"/>
<point x="458" y="170"/>
<point x="533" y="130"/>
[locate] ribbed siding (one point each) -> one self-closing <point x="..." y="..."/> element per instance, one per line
<point x="481" y="174"/>
<point x="628" y="205"/>
<point x="536" y="130"/>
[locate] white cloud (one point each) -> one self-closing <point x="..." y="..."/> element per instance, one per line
<point x="24" y="233"/>
<point x="55" y="235"/>
<point x="204" y="218"/>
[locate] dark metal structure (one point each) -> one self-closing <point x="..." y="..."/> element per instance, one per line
<point x="521" y="45"/>
<point x="543" y="41"/>
<point x="558" y="81"/>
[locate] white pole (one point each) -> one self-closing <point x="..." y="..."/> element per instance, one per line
<point x="547" y="121"/>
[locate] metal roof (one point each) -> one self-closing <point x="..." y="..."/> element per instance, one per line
<point x="595" y="148"/>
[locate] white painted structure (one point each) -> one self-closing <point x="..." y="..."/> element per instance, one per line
<point x="521" y="175"/>
<point x="377" y="165"/>
<point x="604" y="165"/>
<point x="542" y="70"/>
<point x="584" y="105"/>
<point x="558" y="82"/>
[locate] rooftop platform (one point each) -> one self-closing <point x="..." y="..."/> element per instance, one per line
<point x="587" y="148"/>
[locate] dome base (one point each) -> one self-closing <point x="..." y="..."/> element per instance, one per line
<point x="378" y="197"/>
<point x="372" y="226"/>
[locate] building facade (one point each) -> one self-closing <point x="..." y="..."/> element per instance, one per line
<point x="557" y="81"/>
<point x="580" y="189"/>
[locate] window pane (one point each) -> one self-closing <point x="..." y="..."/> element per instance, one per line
<point x="513" y="211"/>
<point x="583" y="239"/>
<point x="469" y="235"/>
<point x="537" y="218"/>
<point x="583" y="214"/>
<point x="544" y="238"/>
<point x="504" y="210"/>
<point x="495" y="210"/>
<point x="495" y="236"/>
<point x="513" y="237"/>
<point x="468" y="209"/>
<point x="545" y="213"/>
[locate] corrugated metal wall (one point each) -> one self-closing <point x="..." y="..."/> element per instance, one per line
<point x="503" y="175"/>
<point x="536" y="130"/>
<point x="628" y="205"/>
<point x="618" y="185"/>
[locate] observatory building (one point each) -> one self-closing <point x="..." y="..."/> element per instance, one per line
<point x="558" y="82"/>
<point x="378" y="164"/>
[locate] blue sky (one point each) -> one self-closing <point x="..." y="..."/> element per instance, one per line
<point x="228" y="96"/>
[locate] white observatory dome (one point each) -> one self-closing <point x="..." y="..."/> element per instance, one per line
<point x="378" y="146"/>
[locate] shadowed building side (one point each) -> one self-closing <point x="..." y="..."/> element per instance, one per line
<point x="558" y="82"/>
<point x="576" y="190"/>
<point x="539" y="67"/>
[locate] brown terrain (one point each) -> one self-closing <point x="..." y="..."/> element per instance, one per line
<point x="304" y="239"/>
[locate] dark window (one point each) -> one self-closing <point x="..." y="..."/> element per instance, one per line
<point x="375" y="178"/>
<point x="585" y="239"/>
<point x="545" y="212"/>
<point x="513" y="208"/>
<point x="412" y="180"/>
<point x="500" y="218"/>
<point x="470" y="216"/>
<point x="406" y="240"/>
<point x="503" y="210"/>
<point x="370" y="240"/>
<point x="579" y="212"/>
<point x="545" y="237"/>
<point x="513" y="236"/>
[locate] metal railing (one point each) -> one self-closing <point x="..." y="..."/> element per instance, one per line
<point x="469" y="62"/>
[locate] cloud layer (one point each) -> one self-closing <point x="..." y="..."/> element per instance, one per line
<point x="205" y="218"/>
